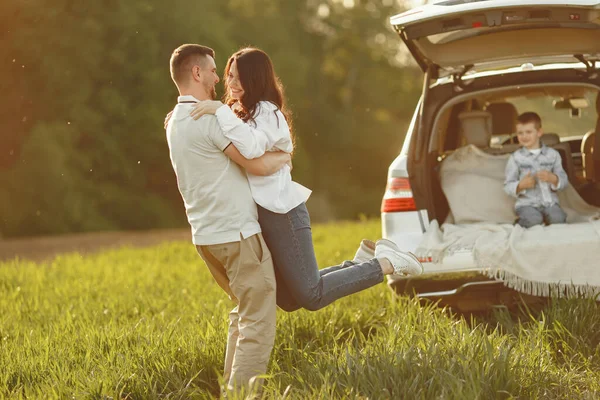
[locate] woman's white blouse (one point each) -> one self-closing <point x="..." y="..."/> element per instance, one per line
<point x="269" y="132"/>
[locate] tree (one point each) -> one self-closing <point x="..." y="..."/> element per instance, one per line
<point x="82" y="142"/>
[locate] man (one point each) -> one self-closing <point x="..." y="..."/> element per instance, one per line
<point x="223" y="215"/>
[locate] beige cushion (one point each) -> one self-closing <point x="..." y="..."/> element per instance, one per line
<point x="473" y="182"/>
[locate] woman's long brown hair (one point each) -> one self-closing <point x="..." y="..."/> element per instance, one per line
<point x="259" y="81"/>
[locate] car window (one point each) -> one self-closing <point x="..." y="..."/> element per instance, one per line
<point x="559" y="121"/>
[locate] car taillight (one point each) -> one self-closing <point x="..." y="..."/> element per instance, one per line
<point x="398" y="196"/>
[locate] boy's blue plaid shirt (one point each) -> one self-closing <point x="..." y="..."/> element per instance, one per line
<point x="522" y="162"/>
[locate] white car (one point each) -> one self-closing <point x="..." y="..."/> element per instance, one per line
<point x="487" y="61"/>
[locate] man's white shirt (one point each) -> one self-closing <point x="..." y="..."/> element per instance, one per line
<point x="269" y="132"/>
<point x="215" y="190"/>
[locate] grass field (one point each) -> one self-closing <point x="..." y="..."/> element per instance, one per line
<point x="150" y="323"/>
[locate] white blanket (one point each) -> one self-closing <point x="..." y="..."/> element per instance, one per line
<point x="544" y="260"/>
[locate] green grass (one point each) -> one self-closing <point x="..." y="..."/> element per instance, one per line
<point x="151" y="323"/>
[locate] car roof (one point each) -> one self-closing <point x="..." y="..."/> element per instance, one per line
<point x="439" y="8"/>
<point x="452" y="36"/>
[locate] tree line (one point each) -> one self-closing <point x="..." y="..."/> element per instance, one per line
<point x="85" y="89"/>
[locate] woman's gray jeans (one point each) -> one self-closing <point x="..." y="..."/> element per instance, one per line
<point x="300" y="283"/>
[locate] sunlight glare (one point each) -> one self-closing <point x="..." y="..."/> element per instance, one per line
<point x="323" y="11"/>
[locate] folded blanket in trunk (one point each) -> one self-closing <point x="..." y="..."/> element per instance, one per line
<point x="556" y="260"/>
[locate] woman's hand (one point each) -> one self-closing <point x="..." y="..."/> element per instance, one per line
<point x="167" y="118"/>
<point x="205" y="107"/>
<point x="237" y="107"/>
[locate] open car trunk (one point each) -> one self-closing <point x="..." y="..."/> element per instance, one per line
<point x="454" y="36"/>
<point x="480" y="233"/>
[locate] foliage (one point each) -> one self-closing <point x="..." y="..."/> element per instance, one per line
<point x="86" y="87"/>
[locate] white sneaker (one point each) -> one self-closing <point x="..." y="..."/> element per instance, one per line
<point x="365" y="252"/>
<point x="404" y="263"/>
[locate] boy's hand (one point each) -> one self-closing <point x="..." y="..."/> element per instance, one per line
<point x="528" y="182"/>
<point x="547" y="176"/>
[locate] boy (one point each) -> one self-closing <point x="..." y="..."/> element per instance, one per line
<point x="534" y="174"/>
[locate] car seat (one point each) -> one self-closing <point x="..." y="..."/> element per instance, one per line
<point x="476" y="128"/>
<point x="589" y="152"/>
<point x="504" y="120"/>
<point x="587" y="155"/>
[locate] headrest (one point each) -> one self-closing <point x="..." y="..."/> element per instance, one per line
<point x="476" y="127"/>
<point x="504" y="118"/>
<point x="550" y="139"/>
<point x="597" y="137"/>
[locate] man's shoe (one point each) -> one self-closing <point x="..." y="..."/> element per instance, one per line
<point x="404" y="263"/>
<point x="365" y="252"/>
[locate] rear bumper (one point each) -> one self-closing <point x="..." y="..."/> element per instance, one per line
<point x="469" y="293"/>
<point x="406" y="229"/>
<point x="461" y="261"/>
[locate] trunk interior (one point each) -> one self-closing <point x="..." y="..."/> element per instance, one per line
<point x="460" y="120"/>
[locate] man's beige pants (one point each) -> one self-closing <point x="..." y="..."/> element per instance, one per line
<point x="244" y="270"/>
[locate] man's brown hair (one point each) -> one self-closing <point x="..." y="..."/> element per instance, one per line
<point x="184" y="57"/>
<point x="530" y="117"/>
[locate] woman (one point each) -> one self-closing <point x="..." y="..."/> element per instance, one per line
<point x="255" y="119"/>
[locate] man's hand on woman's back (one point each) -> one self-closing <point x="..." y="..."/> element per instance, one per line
<point x="167" y="118"/>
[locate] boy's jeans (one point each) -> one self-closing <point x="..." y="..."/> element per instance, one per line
<point x="530" y="216"/>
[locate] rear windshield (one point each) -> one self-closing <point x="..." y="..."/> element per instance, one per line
<point x="560" y="121"/>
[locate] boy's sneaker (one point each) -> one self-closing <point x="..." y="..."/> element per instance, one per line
<point x="365" y="252"/>
<point x="404" y="263"/>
